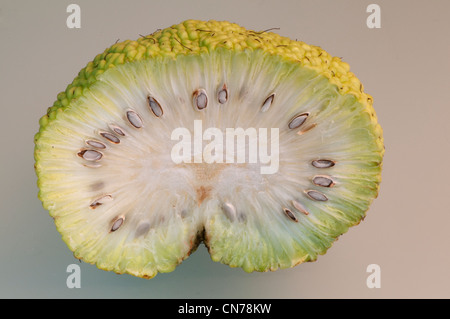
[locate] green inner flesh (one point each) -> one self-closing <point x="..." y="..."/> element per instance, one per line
<point x="168" y="207"/>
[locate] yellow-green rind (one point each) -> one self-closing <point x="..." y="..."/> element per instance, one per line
<point x="195" y="37"/>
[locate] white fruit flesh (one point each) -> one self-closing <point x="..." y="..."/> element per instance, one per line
<point x="167" y="207"/>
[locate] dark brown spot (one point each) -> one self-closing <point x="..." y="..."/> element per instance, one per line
<point x="100" y="201"/>
<point x="203" y="193"/>
<point x="290" y="214"/>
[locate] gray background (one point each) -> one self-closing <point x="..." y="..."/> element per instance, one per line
<point x="404" y="65"/>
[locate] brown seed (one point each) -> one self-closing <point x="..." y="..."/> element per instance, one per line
<point x="222" y="96"/>
<point x="117" y="130"/>
<point x="90" y="155"/>
<point x="200" y="99"/>
<point x="100" y="201"/>
<point x="267" y="102"/>
<point x="298" y="120"/>
<point x="110" y="137"/>
<point x="96" y="144"/>
<point x="316" y="195"/>
<point x="322" y="180"/>
<point x="290" y="215"/>
<point x="230" y="211"/>
<point x="323" y="163"/>
<point x="134" y="119"/>
<point x="155" y="107"/>
<point x="117" y="223"/>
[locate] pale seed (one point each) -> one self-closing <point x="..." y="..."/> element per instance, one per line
<point x="155" y="107"/>
<point x="267" y="103"/>
<point x="316" y="195"/>
<point x="134" y="119"/>
<point x="222" y="96"/>
<point x="117" y="223"/>
<point x="324" y="181"/>
<point x="290" y="215"/>
<point x="90" y="155"/>
<point x="230" y="211"/>
<point x="96" y="144"/>
<point x="323" y="163"/>
<point x="110" y="137"/>
<point x="298" y="120"/>
<point x="200" y="99"/>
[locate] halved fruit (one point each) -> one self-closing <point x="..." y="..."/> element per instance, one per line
<point x="264" y="148"/>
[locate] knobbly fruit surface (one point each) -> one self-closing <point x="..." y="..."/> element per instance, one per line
<point x="127" y="196"/>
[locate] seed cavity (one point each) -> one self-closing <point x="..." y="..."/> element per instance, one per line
<point x="323" y="163"/>
<point x="155" y="107"/>
<point x="183" y="213"/>
<point x="110" y="137"/>
<point x="92" y="165"/>
<point x="290" y="214"/>
<point x="307" y="129"/>
<point x="298" y="120"/>
<point x="117" y="130"/>
<point x="316" y="195"/>
<point x="222" y="96"/>
<point x="142" y="229"/>
<point x="200" y="99"/>
<point x="96" y="144"/>
<point x="97" y="186"/>
<point x="134" y="119"/>
<point x="230" y="211"/>
<point x="90" y="155"/>
<point x="117" y="223"/>
<point x="100" y="201"/>
<point x="298" y="206"/>
<point x="242" y="217"/>
<point x="267" y="103"/>
<point x="322" y="180"/>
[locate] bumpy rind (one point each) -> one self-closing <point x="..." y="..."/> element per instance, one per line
<point x="195" y="37"/>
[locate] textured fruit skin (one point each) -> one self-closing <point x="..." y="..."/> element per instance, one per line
<point x="194" y="37"/>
